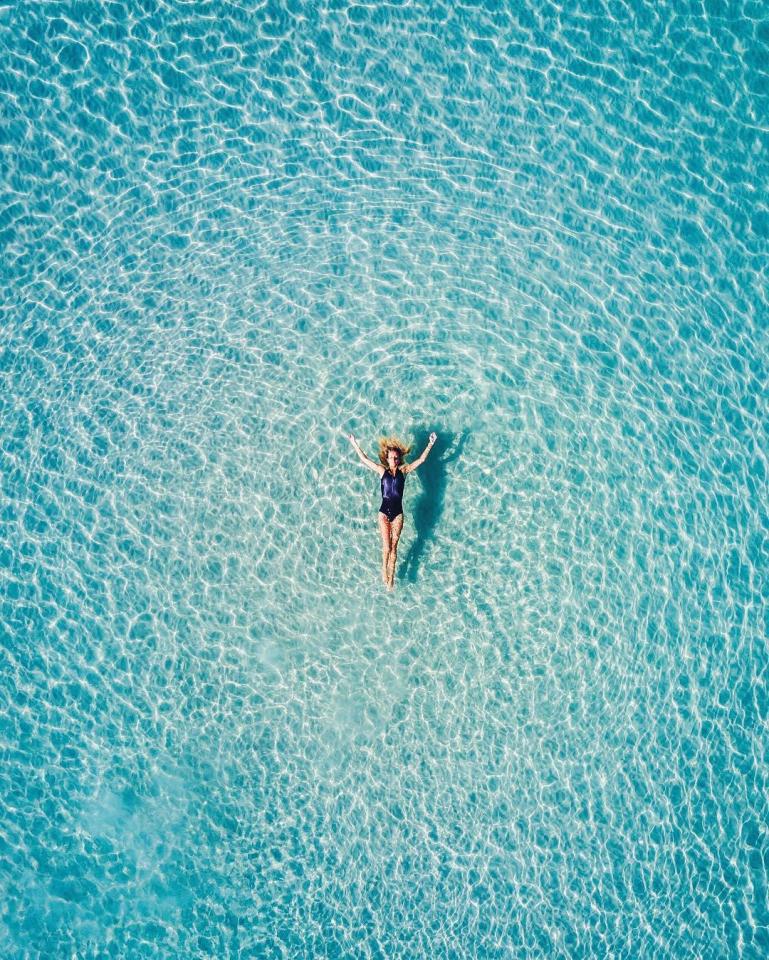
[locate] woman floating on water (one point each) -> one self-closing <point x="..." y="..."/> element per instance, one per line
<point x="392" y="471"/>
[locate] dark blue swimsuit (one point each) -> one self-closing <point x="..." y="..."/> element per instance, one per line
<point x="392" y="494"/>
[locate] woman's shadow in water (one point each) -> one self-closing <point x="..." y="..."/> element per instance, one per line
<point x="428" y="508"/>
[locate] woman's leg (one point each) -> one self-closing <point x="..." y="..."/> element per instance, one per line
<point x="395" y="533"/>
<point x="384" y="529"/>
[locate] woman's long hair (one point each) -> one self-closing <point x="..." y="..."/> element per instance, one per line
<point x="391" y="443"/>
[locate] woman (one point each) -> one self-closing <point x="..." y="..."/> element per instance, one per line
<point x="392" y="471"/>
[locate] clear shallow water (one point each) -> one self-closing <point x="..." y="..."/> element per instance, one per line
<point x="230" y="236"/>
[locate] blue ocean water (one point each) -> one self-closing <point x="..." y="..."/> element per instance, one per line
<point x="232" y="234"/>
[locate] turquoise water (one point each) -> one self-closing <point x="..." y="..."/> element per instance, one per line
<point x="233" y="234"/>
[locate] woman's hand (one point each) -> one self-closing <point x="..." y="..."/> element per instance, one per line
<point x="351" y="438"/>
<point x="433" y="438"/>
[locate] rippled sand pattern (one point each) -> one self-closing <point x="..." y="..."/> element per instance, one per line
<point x="230" y="235"/>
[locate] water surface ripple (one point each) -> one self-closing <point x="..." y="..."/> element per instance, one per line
<point x="232" y="233"/>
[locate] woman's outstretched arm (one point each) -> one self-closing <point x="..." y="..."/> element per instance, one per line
<point x="376" y="467"/>
<point x="423" y="456"/>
